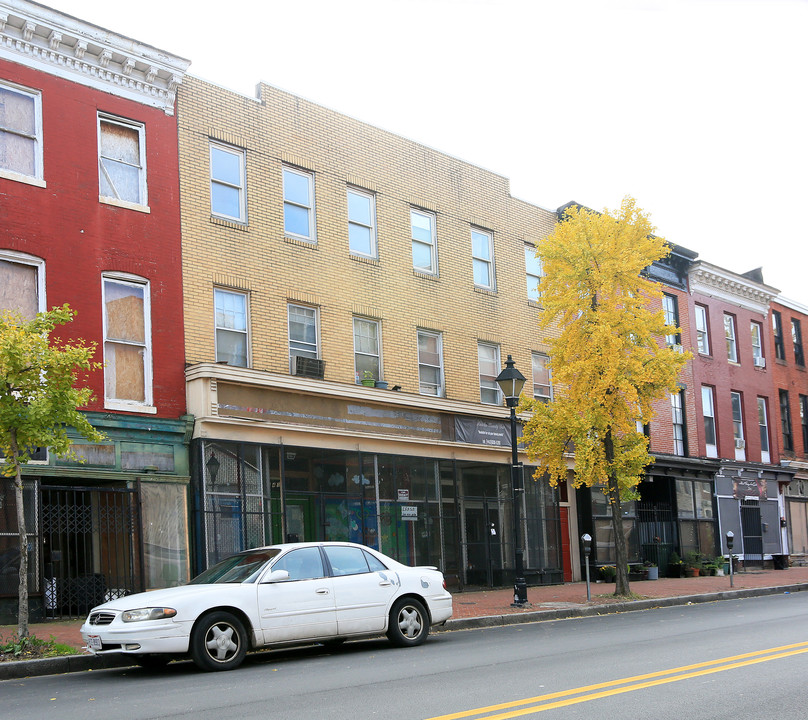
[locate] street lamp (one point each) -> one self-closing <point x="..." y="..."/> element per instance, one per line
<point x="511" y="382"/>
<point x="730" y="541"/>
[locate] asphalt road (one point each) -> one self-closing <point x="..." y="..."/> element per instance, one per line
<point x="744" y="659"/>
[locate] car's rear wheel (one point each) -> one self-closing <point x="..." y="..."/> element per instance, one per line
<point x="409" y="623"/>
<point x="218" y="642"/>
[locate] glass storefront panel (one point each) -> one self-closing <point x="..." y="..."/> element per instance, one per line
<point x="164" y="509"/>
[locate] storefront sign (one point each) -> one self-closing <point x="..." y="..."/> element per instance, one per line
<point x="749" y="488"/>
<point x="483" y="432"/>
<point x="403" y="495"/>
<point x="409" y="512"/>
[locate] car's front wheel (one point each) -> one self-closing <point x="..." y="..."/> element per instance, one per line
<point x="218" y="642"/>
<point x="409" y="623"/>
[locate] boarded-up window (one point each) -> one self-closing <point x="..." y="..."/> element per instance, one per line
<point x="19" y="140"/>
<point x="18" y="288"/>
<point x="121" y="161"/>
<point x="125" y="341"/>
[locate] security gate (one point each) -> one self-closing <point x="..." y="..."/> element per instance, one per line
<point x="752" y="529"/>
<point x="90" y="547"/>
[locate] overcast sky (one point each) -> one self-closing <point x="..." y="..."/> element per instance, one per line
<point x="697" y="108"/>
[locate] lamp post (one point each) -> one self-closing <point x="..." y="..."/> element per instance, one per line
<point x="586" y="539"/>
<point x="511" y="382"/>
<point x="730" y="541"/>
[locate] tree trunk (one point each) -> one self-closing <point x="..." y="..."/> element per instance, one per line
<point x="22" y="612"/>
<point x="621" y="585"/>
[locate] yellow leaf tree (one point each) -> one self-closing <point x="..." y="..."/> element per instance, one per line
<point x="609" y="361"/>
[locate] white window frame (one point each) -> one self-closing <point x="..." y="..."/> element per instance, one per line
<point x="533" y="263"/>
<point x="678" y="422"/>
<point x="545" y="358"/>
<point x="670" y="307"/>
<point x="371" y="199"/>
<point x="736" y="402"/>
<point x="245" y="332"/>
<point x="487" y="388"/>
<point x="311" y="236"/>
<point x="730" y="336"/>
<point x="432" y="244"/>
<point x="377" y="354"/>
<point x="439" y="388"/>
<point x="147" y="406"/>
<point x="763" y="426"/>
<point x="300" y="351"/>
<point x="14" y="257"/>
<point x="480" y="261"/>
<point x="241" y="154"/>
<point x="38" y="178"/>
<point x="756" y="330"/>
<point x="702" y="330"/>
<point x="143" y="201"/>
<point x="708" y="414"/>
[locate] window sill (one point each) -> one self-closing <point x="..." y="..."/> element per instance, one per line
<point x="535" y="304"/>
<point x="137" y="207"/>
<point x="301" y="242"/>
<point x="26" y="179"/>
<point x="485" y="291"/>
<point x="365" y="259"/>
<point x="425" y="275"/>
<point x="234" y="223"/>
<point x="124" y="406"/>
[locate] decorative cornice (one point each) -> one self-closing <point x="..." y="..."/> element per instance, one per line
<point x="711" y="280"/>
<point x="50" y="41"/>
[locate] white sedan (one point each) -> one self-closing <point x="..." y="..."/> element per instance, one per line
<point x="277" y="595"/>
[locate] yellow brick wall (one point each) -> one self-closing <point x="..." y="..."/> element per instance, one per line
<point x="280" y="128"/>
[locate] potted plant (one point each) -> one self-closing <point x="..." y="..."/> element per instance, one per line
<point x="381" y="384"/>
<point x="676" y="567"/>
<point x="367" y="379"/>
<point x="651" y="570"/>
<point x="693" y="563"/>
<point x="608" y="573"/>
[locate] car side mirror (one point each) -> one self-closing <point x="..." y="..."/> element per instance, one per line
<point x="276" y="576"/>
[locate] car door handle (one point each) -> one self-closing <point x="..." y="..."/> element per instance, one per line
<point x="385" y="583"/>
<point x="322" y="591"/>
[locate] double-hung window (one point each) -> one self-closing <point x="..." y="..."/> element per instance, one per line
<point x="756" y="330"/>
<point x="670" y="307"/>
<point x="804" y="421"/>
<point x="785" y="422"/>
<point x="737" y="425"/>
<point x="533" y="272"/>
<point x="482" y="254"/>
<point x="362" y="223"/>
<point x="367" y="349"/>
<point x="298" y="204"/>
<point x="729" y="335"/>
<point x="424" y="243"/>
<point x="702" y="330"/>
<point x="227" y="182"/>
<point x="796" y="338"/>
<point x="763" y="427"/>
<point x="488" y="360"/>
<point x="678" y="419"/>
<point x="20" y="134"/>
<point x="22" y="283"/>
<point x="430" y="363"/>
<point x="302" y="333"/>
<point x="779" y="340"/>
<point x="122" y="161"/>
<point x="708" y="413"/>
<point x="232" y="341"/>
<point x="542" y="383"/>
<point x="127" y="343"/>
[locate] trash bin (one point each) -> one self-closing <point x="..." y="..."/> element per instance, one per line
<point x="780" y="562"/>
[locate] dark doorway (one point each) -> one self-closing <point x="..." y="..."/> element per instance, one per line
<point x="752" y="529"/>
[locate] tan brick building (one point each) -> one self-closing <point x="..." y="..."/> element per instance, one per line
<point x="320" y="252"/>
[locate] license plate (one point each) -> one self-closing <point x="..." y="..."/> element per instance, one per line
<point x="94" y="642"/>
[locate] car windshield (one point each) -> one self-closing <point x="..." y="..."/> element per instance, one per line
<point x="240" y="568"/>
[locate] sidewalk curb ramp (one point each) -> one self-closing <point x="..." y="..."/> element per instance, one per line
<point x="12" y="670"/>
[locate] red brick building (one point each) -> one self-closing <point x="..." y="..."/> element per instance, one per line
<point x="736" y="409"/>
<point x="89" y="192"/>
<point x="789" y="320"/>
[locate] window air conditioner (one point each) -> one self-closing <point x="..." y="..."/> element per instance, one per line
<point x="308" y="367"/>
<point x="760" y="362"/>
<point x="740" y="444"/>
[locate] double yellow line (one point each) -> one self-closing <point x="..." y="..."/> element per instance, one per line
<point x="616" y="687"/>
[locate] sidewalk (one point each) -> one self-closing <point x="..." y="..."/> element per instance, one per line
<point x="482" y="608"/>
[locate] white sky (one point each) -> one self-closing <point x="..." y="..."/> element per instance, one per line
<point x="697" y="108"/>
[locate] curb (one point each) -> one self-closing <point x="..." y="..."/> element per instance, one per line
<point x="81" y="663"/>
